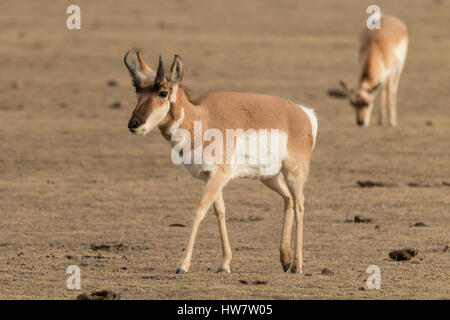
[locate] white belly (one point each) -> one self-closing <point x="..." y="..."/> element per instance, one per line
<point x="251" y="154"/>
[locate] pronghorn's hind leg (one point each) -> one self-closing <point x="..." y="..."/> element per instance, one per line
<point x="278" y="184"/>
<point x="392" y="97"/>
<point x="295" y="175"/>
<point x="219" y="209"/>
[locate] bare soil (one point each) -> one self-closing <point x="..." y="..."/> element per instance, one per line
<point x="72" y="176"/>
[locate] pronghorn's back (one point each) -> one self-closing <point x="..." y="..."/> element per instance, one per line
<point x="383" y="49"/>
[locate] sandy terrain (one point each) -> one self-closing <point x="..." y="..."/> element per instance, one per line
<point x="71" y="174"/>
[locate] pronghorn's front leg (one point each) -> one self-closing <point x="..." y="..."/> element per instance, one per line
<point x="219" y="208"/>
<point x="212" y="190"/>
<point x="392" y="101"/>
<point x="383" y="115"/>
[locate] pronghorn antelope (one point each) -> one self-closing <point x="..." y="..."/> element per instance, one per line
<point x="164" y="103"/>
<point x="382" y="55"/>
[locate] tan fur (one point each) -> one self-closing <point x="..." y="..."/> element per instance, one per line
<point x="233" y="110"/>
<point x="381" y="67"/>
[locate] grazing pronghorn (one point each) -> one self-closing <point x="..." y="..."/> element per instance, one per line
<point x="382" y="55"/>
<point x="164" y="103"/>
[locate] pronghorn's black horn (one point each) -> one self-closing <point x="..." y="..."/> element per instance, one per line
<point x="129" y="66"/>
<point x="161" y="72"/>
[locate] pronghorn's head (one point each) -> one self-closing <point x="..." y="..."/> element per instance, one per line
<point x="155" y="92"/>
<point x="361" y="99"/>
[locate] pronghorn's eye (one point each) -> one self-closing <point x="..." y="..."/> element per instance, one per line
<point x="163" y="94"/>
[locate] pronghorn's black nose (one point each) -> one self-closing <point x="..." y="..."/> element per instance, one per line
<point x="133" y="124"/>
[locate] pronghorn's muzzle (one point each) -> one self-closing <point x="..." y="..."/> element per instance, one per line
<point x="133" y="124"/>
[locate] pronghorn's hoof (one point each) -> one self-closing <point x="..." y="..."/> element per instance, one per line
<point x="180" y="271"/>
<point x="286" y="267"/>
<point x="296" y="269"/>
<point x="222" y="270"/>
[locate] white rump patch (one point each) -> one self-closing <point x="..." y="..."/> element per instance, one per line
<point x="259" y="153"/>
<point x="400" y="53"/>
<point x="313" y="120"/>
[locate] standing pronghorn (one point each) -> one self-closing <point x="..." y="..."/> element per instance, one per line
<point x="382" y="55"/>
<point x="164" y="103"/>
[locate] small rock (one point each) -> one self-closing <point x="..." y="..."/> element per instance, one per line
<point x="69" y="257"/>
<point x="327" y="272"/>
<point x="446" y="248"/>
<point x="429" y="123"/>
<point x="115" y="105"/>
<point x="99" y="295"/>
<point x="361" y="288"/>
<point x="177" y="225"/>
<point x="419" y="224"/>
<point x="404" y="254"/>
<point x="377" y="227"/>
<point x="108" y="247"/>
<point x="359" y="219"/>
<point x="308" y="274"/>
<point x="418" y="185"/>
<point x="111" y="83"/>
<point x="370" y="184"/>
<point x="259" y="282"/>
<point x="243" y="281"/>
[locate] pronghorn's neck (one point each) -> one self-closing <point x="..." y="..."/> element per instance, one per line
<point x="182" y="115"/>
<point x="371" y="68"/>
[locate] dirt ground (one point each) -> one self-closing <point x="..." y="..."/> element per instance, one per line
<point x="71" y="174"/>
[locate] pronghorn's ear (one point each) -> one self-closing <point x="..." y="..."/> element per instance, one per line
<point x="345" y="85"/>
<point x="176" y="72"/>
<point x="375" y="88"/>
<point x="338" y="93"/>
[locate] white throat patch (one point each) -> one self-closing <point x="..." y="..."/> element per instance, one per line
<point x="176" y="124"/>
